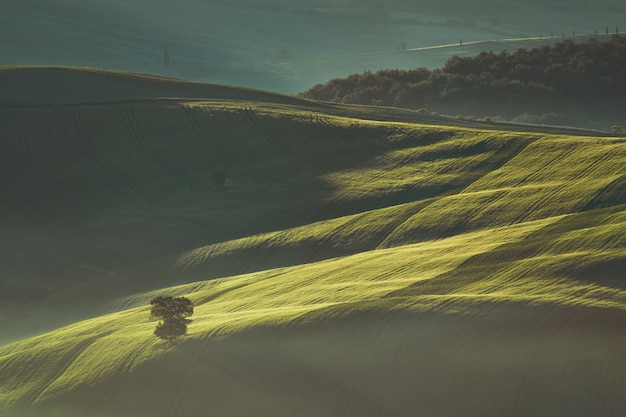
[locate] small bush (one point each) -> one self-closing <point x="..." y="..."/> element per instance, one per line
<point x="618" y="130"/>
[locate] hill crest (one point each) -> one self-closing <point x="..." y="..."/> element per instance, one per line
<point x="29" y="85"/>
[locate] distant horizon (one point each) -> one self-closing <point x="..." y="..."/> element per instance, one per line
<point x="286" y="47"/>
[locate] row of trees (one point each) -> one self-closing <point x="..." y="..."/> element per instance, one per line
<point x="548" y="77"/>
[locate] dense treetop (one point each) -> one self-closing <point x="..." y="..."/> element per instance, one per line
<point x="551" y="78"/>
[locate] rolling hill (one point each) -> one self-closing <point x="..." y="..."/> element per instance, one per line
<point x="359" y="261"/>
<point x="33" y="86"/>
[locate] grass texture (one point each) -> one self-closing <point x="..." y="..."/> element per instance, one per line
<point x="325" y="221"/>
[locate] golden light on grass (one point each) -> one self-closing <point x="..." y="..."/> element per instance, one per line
<point x="387" y="218"/>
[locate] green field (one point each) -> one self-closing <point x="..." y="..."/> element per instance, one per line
<point x="359" y="261"/>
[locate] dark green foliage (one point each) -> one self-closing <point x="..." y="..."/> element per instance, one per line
<point x="174" y="313"/>
<point x="171" y="308"/>
<point x="170" y="329"/>
<point x="590" y="76"/>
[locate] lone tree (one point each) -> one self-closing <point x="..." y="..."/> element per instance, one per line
<point x="173" y="312"/>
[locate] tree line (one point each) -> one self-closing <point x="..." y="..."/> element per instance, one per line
<point x="566" y="77"/>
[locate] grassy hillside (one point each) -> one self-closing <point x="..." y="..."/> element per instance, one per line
<point x="348" y="267"/>
<point x="29" y="85"/>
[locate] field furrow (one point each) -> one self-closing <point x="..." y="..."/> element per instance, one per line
<point x="345" y="266"/>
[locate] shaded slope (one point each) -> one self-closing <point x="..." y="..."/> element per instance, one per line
<point x="354" y="304"/>
<point x="411" y="259"/>
<point x="61" y="85"/>
<point x="138" y="180"/>
<point x="303" y="186"/>
<point x="517" y="360"/>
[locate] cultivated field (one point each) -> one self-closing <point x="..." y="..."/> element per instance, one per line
<point x="358" y="261"/>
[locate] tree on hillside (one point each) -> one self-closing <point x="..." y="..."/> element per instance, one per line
<point x="174" y="313"/>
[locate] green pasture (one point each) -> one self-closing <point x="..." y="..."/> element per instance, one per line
<point x="326" y="217"/>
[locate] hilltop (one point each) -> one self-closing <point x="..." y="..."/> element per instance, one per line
<point x="32" y="85"/>
<point x="357" y="261"/>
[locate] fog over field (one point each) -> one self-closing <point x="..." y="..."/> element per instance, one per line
<point x="281" y="45"/>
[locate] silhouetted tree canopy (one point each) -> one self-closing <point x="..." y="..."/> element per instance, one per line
<point x="565" y="76"/>
<point x="174" y="313"/>
<point x="170" y="329"/>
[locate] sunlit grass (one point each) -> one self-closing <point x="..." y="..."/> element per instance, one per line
<point x="432" y="218"/>
<point x="97" y="349"/>
<point x="233" y="304"/>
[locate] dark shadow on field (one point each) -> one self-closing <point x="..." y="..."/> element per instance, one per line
<point x="146" y="170"/>
<point x="610" y="273"/>
<point x="72" y="85"/>
<point x="122" y="190"/>
<point x="612" y="195"/>
<point x="503" y="360"/>
<point x="604" y="273"/>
